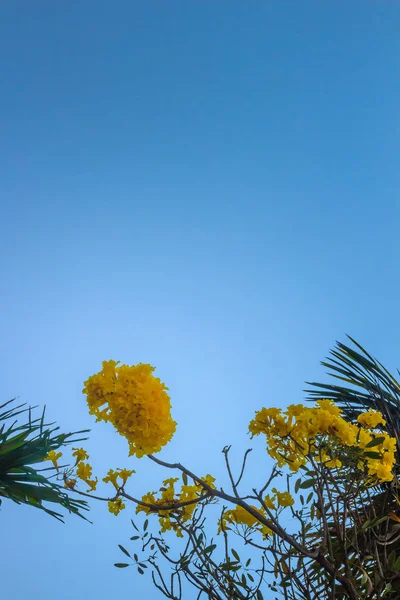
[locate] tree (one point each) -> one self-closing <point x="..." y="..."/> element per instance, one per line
<point x="25" y="446"/>
<point x="327" y="529"/>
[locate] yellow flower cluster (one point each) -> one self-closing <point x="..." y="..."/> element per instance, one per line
<point x="283" y="499"/>
<point x="371" y="419"/>
<point x="135" y="402"/>
<point x="168" y="496"/>
<point x="320" y="432"/>
<point x="113" y="476"/>
<point x="84" y="470"/>
<point x="240" y="516"/>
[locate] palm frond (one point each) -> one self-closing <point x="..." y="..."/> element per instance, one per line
<point x="22" y="446"/>
<point x="365" y="383"/>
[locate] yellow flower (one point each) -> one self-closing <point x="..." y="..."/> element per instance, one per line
<point x="135" y="402"/>
<point x="149" y="498"/>
<point x="284" y="498"/>
<point x="125" y="474"/>
<point x="269" y="502"/>
<point x="364" y="437"/>
<point x="112" y="477"/>
<point x="330" y="407"/>
<point x="53" y="456"/>
<point x="371" y="419"/>
<point x="209" y="480"/>
<point x="84" y="471"/>
<point x="80" y="455"/>
<point x="346" y="432"/>
<point x="334" y="463"/>
<point x="92" y="483"/>
<point x="240" y="516"/>
<point x="115" y="506"/>
<point x="168" y="493"/>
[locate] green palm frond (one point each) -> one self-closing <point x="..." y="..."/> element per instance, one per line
<point x="22" y="446"/>
<point x="365" y="383"/>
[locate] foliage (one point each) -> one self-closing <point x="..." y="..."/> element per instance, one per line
<point x="22" y="448"/>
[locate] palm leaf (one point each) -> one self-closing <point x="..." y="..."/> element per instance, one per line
<point x="364" y="383"/>
<point x="28" y="444"/>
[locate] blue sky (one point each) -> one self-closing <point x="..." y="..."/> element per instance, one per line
<point x="210" y="187"/>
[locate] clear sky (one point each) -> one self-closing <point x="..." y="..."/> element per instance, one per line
<point x="208" y="186"/>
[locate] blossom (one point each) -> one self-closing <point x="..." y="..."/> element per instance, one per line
<point x="125" y="474"/>
<point x="283" y="498"/>
<point x="53" y="456"/>
<point x="269" y="502"/>
<point x="168" y="496"/>
<point x="84" y="471"/>
<point x="240" y="516"/>
<point x="209" y="480"/>
<point x="112" y="477"/>
<point x="80" y="455"/>
<point x="330" y="407"/>
<point x="135" y="402"/>
<point x="321" y="433"/>
<point x="371" y="419"/>
<point x="92" y="483"/>
<point x="149" y="498"/>
<point x="115" y="506"/>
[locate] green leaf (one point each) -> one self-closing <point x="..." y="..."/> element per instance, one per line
<point x="375" y="455"/>
<point x="307" y="484"/>
<point x="145" y="524"/>
<point x="392" y="559"/>
<point x="236" y="555"/>
<point x="375" y="442"/>
<point x="134" y="525"/>
<point x="379" y="520"/>
<point x="14" y="443"/>
<point x="124" y="550"/>
<point x="209" y="549"/>
<point x="121" y="565"/>
<point x="229" y="566"/>
<point x="184" y="478"/>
